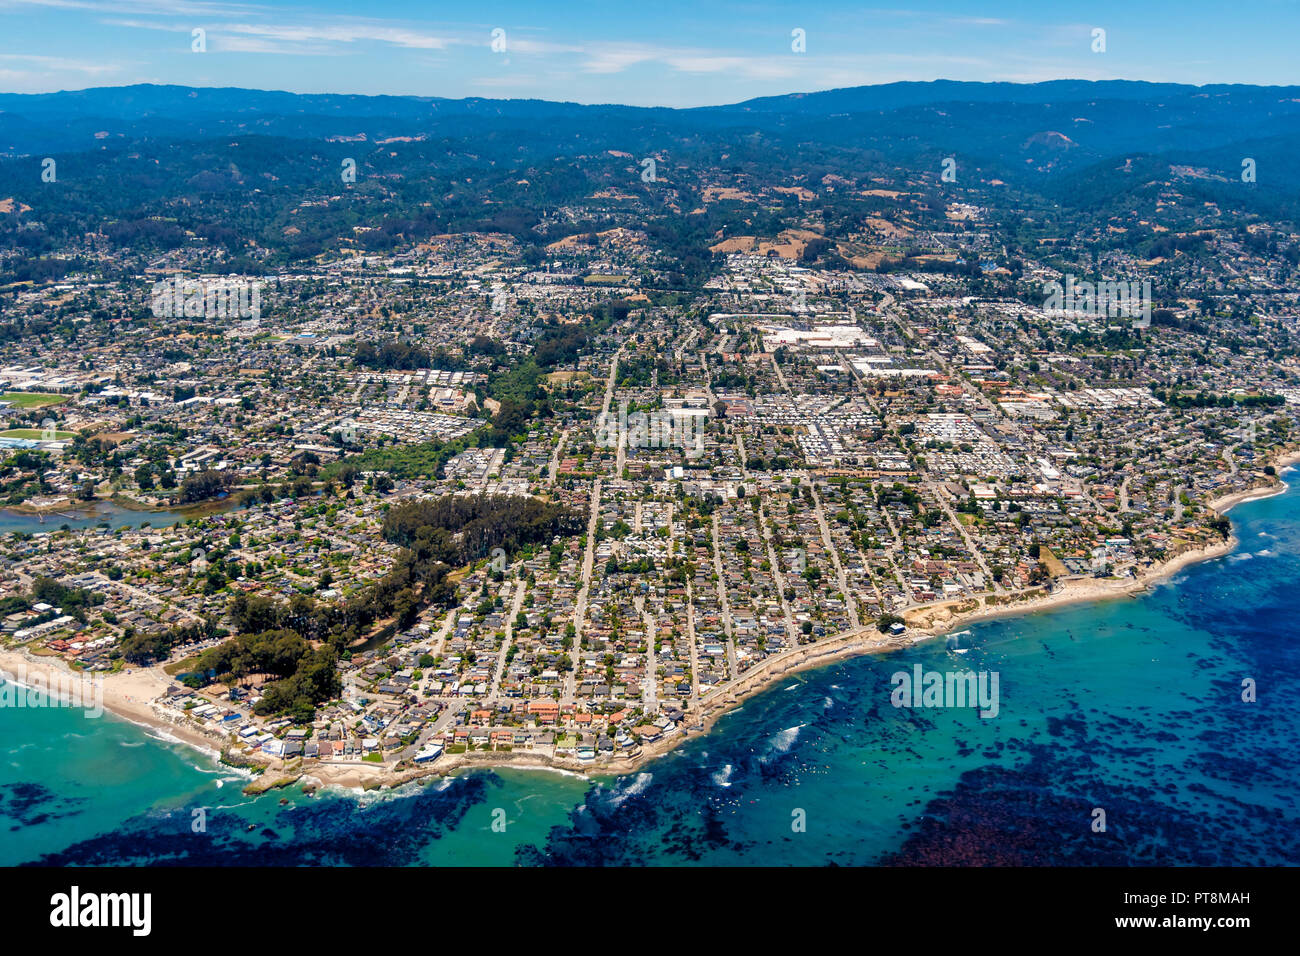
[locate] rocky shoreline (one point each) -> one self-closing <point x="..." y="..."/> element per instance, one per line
<point x="133" y="695"/>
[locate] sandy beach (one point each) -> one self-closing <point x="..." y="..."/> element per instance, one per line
<point x="129" y="694"/>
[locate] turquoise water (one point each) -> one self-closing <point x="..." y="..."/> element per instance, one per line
<point x="1131" y="706"/>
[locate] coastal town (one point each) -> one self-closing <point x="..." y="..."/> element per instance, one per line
<point x="833" y="447"/>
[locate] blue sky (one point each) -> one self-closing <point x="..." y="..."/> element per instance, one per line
<point x="642" y="52"/>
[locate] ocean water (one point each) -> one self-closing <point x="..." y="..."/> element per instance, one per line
<point x="1130" y="707"/>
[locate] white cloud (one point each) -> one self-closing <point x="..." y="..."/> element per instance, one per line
<point x="606" y="59"/>
<point x="338" y="32"/>
<point x="51" y="63"/>
<point x="319" y="39"/>
<point x="178" y="8"/>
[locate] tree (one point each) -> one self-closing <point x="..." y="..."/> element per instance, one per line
<point x="202" y="485"/>
<point x="887" y="621"/>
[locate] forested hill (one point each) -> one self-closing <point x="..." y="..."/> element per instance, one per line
<point x="257" y="174"/>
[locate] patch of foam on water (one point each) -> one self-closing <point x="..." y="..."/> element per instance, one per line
<point x="781" y="742"/>
<point x="723" y="777"/>
<point x="158" y="733"/>
<point x="543" y="767"/>
<point x="232" y="806"/>
<point x="369" y="798"/>
<point x="638" y="785"/>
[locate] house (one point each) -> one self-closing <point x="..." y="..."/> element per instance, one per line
<point x="429" y="752"/>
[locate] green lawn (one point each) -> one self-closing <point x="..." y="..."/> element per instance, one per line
<point x="35" y="434"/>
<point x="181" y="667"/>
<point x="32" y="399"/>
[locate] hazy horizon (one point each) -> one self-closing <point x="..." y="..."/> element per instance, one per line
<point x="612" y="103"/>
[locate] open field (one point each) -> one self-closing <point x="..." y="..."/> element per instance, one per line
<point x="32" y="399"/>
<point x="35" y="434"/>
